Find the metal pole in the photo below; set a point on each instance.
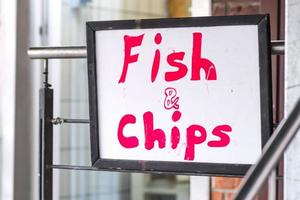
(57, 52)
(45, 73)
(59, 120)
(46, 140)
(272, 152)
(277, 47)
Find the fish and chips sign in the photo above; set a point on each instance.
(186, 96)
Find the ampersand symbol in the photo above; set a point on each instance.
(171, 100)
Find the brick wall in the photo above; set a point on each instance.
(235, 7)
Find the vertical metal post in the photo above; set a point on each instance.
(46, 139)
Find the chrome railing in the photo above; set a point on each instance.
(277, 47)
(273, 150)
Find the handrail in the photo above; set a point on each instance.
(57, 52)
(272, 152)
(277, 48)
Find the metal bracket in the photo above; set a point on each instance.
(59, 121)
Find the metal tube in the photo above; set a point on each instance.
(59, 120)
(272, 152)
(45, 73)
(57, 52)
(72, 167)
(77, 121)
(277, 47)
(45, 144)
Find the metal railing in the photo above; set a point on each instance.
(272, 151)
(57, 52)
(277, 47)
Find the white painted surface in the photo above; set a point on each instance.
(232, 99)
(199, 188)
(19, 100)
(7, 94)
(292, 93)
(201, 8)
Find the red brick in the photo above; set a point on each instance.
(214, 195)
(242, 8)
(218, 9)
(235, 7)
(226, 183)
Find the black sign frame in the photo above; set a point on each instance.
(190, 168)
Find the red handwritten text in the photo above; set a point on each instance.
(174, 60)
(171, 100)
(195, 134)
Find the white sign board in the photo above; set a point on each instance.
(176, 94)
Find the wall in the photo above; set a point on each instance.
(7, 94)
(19, 82)
(292, 93)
